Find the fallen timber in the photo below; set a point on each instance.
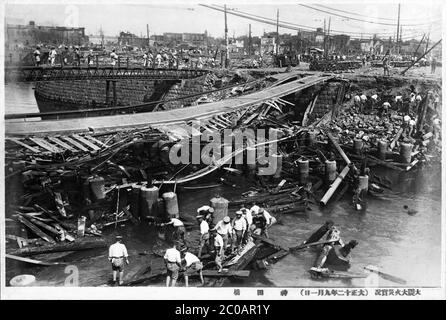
(78, 245)
(33, 261)
(170, 117)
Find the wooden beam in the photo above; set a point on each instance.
(23, 144)
(32, 261)
(36, 230)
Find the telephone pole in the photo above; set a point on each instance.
(398, 30)
(328, 36)
(324, 36)
(277, 31)
(148, 35)
(249, 41)
(226, 39)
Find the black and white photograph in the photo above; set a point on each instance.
(255, 149)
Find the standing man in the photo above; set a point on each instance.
(204, 235)
(52, 56)
(433, 64)
(36, 54)
(219, 249)
(114, 57)
(224, 229)
(77, 56)
(192, 265)
(90, 57)
(386, 63)
(145, 58)
(117, 253)
(172, 260)
(239, 226)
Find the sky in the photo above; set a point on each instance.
(417, 17)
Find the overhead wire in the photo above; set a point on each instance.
(361, 20)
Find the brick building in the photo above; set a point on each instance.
(31, 35)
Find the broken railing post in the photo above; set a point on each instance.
(343, 173)
(334, 186)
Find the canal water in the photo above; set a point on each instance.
(407, 246)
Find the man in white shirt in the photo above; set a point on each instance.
(36, 54)
(52, 56)
(239, 227)
(114, 57)
(117, 253)
(206, 212)
(219, 249)
(204, 235)
(224, 229)
(172, 259)
(192, 265)
(179, 229)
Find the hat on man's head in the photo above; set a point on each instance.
(261, 210)
(226, 219)
(211, 210)
(118, 237)
(199, 216)
(239, 213)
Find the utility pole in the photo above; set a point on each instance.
(249, 41)
(324, 38)
(427, 41)
(328, 39)
(277, 31)
(226, 39)
(398, 30)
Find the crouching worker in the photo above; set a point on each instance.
(179, 229)
(335, 252)
(172, 260)
(261, 222)
(191, 265)
(117, 253)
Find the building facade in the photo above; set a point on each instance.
(32, 35)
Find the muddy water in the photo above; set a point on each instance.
(407, 246)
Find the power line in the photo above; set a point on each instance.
(303, 27)
(287, 25)
(362, 15)
(361, 20)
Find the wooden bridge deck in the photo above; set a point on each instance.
(169, 117)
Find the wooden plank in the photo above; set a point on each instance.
(86, 142)
(32, 261)
(61, 143)
(227, 273)
(75, 143)
(78, 245)
(36, 230)
(93, 139)
(103, 123)
(23, 144)
(47, 146)
(270, 242)
(44, 226)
